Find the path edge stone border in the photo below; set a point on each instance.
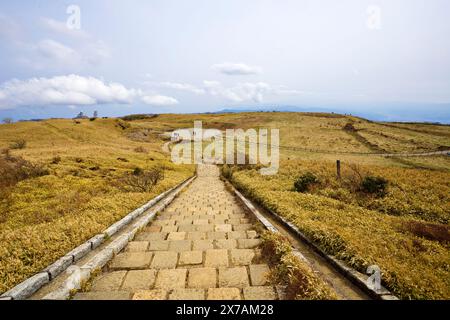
(348, 272)
(31, 285)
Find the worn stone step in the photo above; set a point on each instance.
(202, 246)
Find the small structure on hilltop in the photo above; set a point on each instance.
(81, 116)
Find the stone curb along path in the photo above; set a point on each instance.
(202, 246)
(31, 285)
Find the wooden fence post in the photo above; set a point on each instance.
(338, 168)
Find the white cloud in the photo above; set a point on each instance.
(215, 88)
(54, 50)
(282, 90)
(241, 92)
(92, 51)
(233, 69)
(72, 90)
(175, 86)
(10, 30)
(61, 50)
(95, 52)
(182, 86)
(61, 28)
(159, 100)
(49, 53)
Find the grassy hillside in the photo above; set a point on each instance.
(82, 190)
(71, 180)
(322, 136)
(404, 232)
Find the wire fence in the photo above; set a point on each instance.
(300, 149)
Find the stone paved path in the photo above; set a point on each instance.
(203, 246)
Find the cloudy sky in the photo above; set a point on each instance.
(387, 59)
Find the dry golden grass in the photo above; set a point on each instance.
(301, 282)
(42, 218)
(358, 230)
(397, 138)
(318, 136)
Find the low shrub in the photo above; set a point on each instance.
(227, 171)
(140, 149)
(122, 124)
(349, 127)
(274, 247)
(142, 180)
(374, 185)
(14, 169)
(305, 181)
(56, 160)
(352, 177)
(18, 144)
(138, 171)
(133, 117)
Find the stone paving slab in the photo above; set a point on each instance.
(242, 257)
(259, 293)
(139, 280)
(176, 236)
(216, 235)
(233, 277)
(106, 295)
(180, 245)
(202, 246)
(196, 235)
(148, 236)
(156, 294)
(171, 279)
(191, 258)
(252, 234)
(202, 278)
(224, 294)
(158, 245)
(225, 244)
(236, 235)
(248, 243)
(165, 260)
(154, 228)
(259, 274)
(131, 260)
(109, 281)
(137, 246)
(216, 258)
(187, 294)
